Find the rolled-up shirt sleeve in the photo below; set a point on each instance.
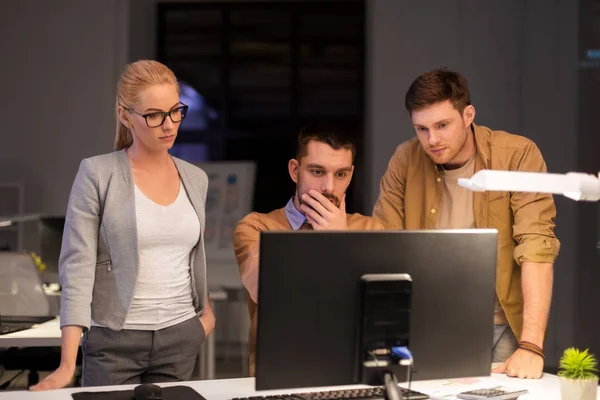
(246, 244)
(534, 215)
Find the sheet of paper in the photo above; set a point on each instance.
(447, 390)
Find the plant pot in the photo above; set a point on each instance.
(578, 389)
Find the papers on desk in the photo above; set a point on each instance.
(447, 390)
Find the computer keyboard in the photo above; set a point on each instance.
(5, 329)
(374, 393)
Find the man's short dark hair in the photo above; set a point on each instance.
(438, 85)
(333, 135)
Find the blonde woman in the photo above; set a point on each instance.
(132, 262)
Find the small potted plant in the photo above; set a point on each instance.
(577, 375)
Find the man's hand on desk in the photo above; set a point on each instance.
(57, 380)
(522, 364)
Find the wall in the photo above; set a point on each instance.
(520, 60)
(587, 324)
(61, 61)
(60, 64)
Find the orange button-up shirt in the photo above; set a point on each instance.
(246, 244)
(411, 193)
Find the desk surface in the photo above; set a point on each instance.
(546, 388)
(48, 334)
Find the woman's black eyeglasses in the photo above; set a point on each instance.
(157, 118)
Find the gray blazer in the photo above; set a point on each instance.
(99, 258)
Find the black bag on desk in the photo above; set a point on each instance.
(168, 393)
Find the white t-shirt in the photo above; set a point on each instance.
(166, 237)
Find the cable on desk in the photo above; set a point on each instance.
(392, 391)
(406, 359)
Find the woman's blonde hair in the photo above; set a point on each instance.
(136, 77)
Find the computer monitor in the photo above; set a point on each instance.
(308, 308)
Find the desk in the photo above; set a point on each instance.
(546, 388)
(48, 334)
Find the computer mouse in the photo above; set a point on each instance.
(147, 391)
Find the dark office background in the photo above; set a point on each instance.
(533, 67)
(266, 69)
